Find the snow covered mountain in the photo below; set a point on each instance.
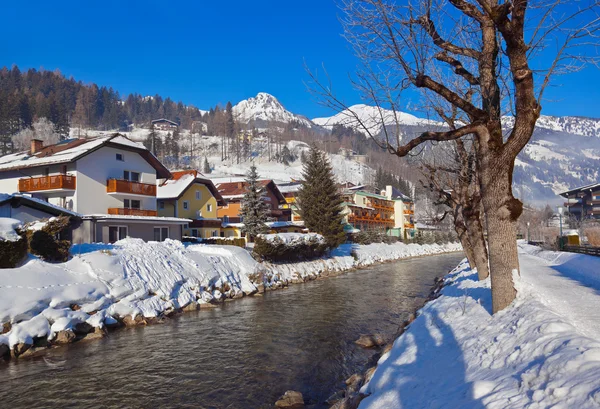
(574, 125)
(370, 118)
(265, 108)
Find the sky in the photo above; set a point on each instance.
(209, 52)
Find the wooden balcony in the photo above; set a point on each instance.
(369, 219)
(121, 211)
(55, 182)
(409, 226)
(408, 211)
(128, 187)
(382, 206)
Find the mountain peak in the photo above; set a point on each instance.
(264, 108)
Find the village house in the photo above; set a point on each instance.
(163, 124)
(109, 180)
(368, 211)
(233, 193)
(583, 202)
(404, 213)
(186, 194)
(290, 190)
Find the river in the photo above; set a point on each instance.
(245, 354)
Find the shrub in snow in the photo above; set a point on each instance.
(372, 236)
(13, 244)
(226, 241)
(48, 241)
(289, 246)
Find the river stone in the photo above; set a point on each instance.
(370, 341)
(4, 351)
(97, 333)
(82, 328)
(369, 374)
(260, 288)
(290, 400)
(64, 337)
(354, 382)
(207, 306)
(20, 349)
(193, 306)
(7, 326)
(130, 321)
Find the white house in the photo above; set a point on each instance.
(109, 180)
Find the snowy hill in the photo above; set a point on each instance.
(265, 108)
(370, 117)
(567, 124)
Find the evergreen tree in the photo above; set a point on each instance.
(174, 148)
(206, 168)
(303, 157)
(152, 140)
(319, 200)
(255, 209)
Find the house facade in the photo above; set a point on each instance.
(165, 124)
(230, 213)
(109, 180)
(404, 213)
(583, 202)
(368, 211)
(289, 191)
(190, 196)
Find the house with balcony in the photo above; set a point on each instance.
(290, 190)
(404, 213)
(233, 193)
(164, 124)
(368, 211)
(583, 202)
(109, 180)
(189, 195)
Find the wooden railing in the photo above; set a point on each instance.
(409, 226)
(591, 251)
(47, 183)
(121, 211)
(353, 218)
(126, 186)
(408, 211)
(382, 206)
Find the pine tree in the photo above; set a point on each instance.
(319, 199)
(255, 209)
(206, 168)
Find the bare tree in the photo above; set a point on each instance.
(476, 57)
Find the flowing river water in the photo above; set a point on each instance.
(245, 354)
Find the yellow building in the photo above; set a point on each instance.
(188, 196)
(368, 211)
(289, 190)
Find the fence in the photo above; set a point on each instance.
(591, 251)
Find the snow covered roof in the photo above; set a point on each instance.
(174, 188)
(165, 120)
(236, 190)
(18, 199)
(593, 186)
(289, 187)
(71, 150)
(7, 229)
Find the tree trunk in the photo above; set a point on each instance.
(479, 248)
(461, 231)
(502, 211)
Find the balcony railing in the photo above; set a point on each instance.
(409, 211)
(368, 219)
(47, 183)
(126, 186)
(122, 211)
(409, 226)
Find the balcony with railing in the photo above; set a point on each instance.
(43, 183)
(365, 218)
(409, 226)
(124, 211)
(409, 211)
(129, 187)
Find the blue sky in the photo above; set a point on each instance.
(208, 52)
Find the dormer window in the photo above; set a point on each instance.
(120, 157)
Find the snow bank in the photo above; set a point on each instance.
(457, 355)
(133, 278)
(7, 229)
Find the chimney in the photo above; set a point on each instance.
(36, 145)
(388, 192)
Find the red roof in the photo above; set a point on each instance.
(239, 188)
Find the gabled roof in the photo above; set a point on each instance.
(17, 200)
(593, 186)
(236, 190)
(71, 150)
(175, 187)
(165, 120)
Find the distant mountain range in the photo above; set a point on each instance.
(564, 152)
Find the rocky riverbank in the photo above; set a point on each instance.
(45, 305)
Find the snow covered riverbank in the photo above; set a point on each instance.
(136, 282)
(543, 351)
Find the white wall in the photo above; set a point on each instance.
(96, 168)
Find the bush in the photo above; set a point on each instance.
(225, 241)
(49, 242)
(373, 236)
(277, 250)
(12, 252)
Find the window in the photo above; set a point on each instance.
(161, 204)
(131, 176)
(136, 204)
(120, 157)
(126, 203)
(186, 204)
(198, 195)
(126, 174)
(225, 219)
(64, 169)
(116, 233)
(198, 213)
(195, 232)
(161, 233)
(222, 234)
(215, 233)
(47, 171)
(209, 208)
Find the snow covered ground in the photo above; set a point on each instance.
(541, 352)
(135, 278)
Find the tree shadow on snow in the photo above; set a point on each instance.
(425, 369)
(468, 285)
(583, 269)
